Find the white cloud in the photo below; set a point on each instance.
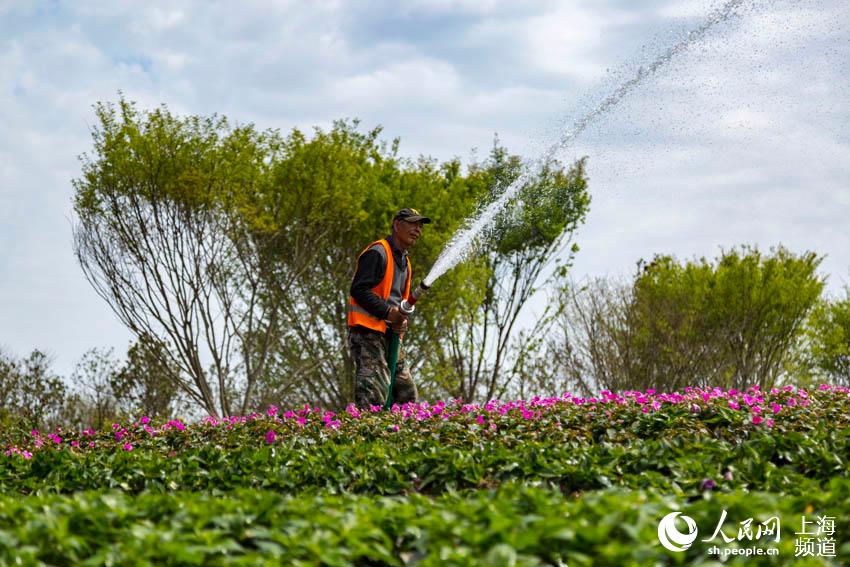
(409, 83)
(172, 61)
(562, 39)
(165, 19)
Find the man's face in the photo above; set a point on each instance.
(407, 233)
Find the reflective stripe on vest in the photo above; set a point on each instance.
(359, 316)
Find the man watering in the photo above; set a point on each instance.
(381, 282)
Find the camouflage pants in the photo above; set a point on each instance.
(372, 379)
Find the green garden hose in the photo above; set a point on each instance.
(392, 362)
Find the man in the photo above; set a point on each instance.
(380, 283)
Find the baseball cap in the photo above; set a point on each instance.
(411, 215)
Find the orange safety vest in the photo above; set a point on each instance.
(359, 316)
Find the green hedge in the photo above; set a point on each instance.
(512, 525)
(679, 462)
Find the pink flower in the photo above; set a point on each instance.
(34, 432)
(91, 443)
(776, 407)
(757, 419)
(769, 423)
(119, 435)
(270, 437)
(734, 405)
(15, 451)
(128, 447)
(352, 410)
(145, 420)
(395, 427)
(480, 420)
(271, 411)
(75, 443)
(656, 405)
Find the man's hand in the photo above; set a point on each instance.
(397, 319)
(400, 329)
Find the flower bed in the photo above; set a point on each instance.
(581, 481)
(785, 440)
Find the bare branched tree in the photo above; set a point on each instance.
(158, 239)
(489, 351)
(590, 348)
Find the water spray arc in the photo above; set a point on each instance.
(462, 245)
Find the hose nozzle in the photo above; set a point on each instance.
(407, 305)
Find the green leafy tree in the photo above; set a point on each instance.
(9, 381)
(828, 337)
(734, 322)
(30, 392)
(676, 332)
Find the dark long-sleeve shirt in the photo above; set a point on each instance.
(371, 268)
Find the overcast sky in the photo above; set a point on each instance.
(745, 138)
